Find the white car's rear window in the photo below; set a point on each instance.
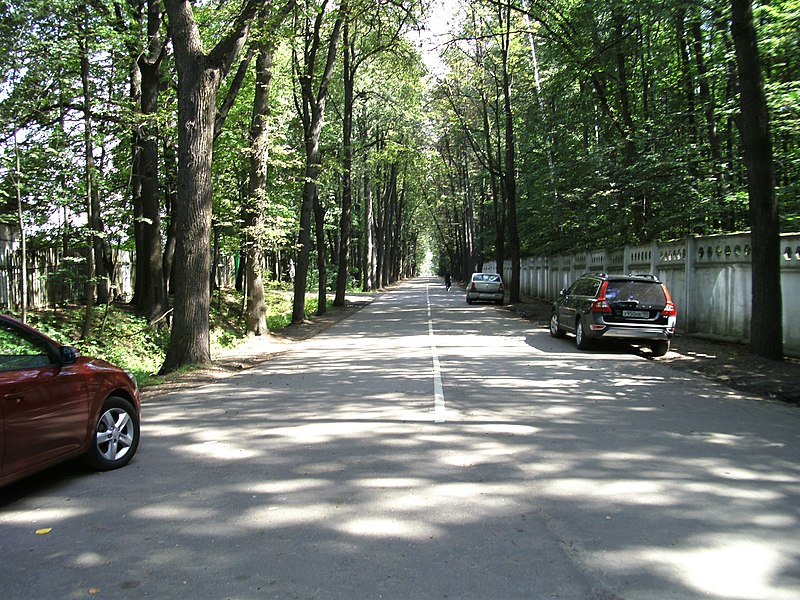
(489, 277)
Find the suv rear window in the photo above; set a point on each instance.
(643, 292)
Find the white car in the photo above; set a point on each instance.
(485, 287)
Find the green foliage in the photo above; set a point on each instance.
(118, 336)
(628, 131)
(125, 339)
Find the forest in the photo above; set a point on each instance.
(332, 145)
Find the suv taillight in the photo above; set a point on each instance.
(500, 289)
(473, 288)
(601, 305)
(669, 309)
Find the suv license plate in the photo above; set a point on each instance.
(636, 314)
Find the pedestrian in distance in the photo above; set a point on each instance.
(447, 281)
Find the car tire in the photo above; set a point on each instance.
(581, 339)
(116, 435)
(555, 328)
(499, 303)
(469, 301)
(659, 348)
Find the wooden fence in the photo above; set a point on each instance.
(55, 278)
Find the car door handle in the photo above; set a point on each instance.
(15, 398)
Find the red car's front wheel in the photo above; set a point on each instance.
(116, 435)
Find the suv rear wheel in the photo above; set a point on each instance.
(660, 348)
(581, 339)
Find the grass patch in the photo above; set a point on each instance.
(122, 337)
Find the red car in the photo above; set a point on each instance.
(56, 405)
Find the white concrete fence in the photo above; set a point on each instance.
(709, 279)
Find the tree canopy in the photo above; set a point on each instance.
(308, 138)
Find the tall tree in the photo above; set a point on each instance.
(510, 181)
(368, 31)
(23, 234)
(94, 257)
(253, 210)
(314, 85)
(200, 74)
(255, 206)
(766, 326)
(151, 286)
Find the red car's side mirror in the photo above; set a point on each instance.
(68, 355)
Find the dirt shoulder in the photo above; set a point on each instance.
(727, 363)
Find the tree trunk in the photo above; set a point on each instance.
(170, 202)
(304, 235)
(154, 300)
(511, 172)
(90, 287)
(397, 238)
(313, 114)
(347, 172)
(766, 325)
(380, 240)
(140, 268)
(322, 256)
(23, 238)
(495, 178)
(190, 341)
(369, 236)
(256, 316)
(101, 273)
(151, 291)
(199, 77)
(389, 209)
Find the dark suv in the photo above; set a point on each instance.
(633, 307)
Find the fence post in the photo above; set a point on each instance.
(689, 277)
(626, 259)
(655, 257)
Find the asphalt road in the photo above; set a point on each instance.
(424, 448)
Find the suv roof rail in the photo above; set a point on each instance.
(644, 275)
(594, 274)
